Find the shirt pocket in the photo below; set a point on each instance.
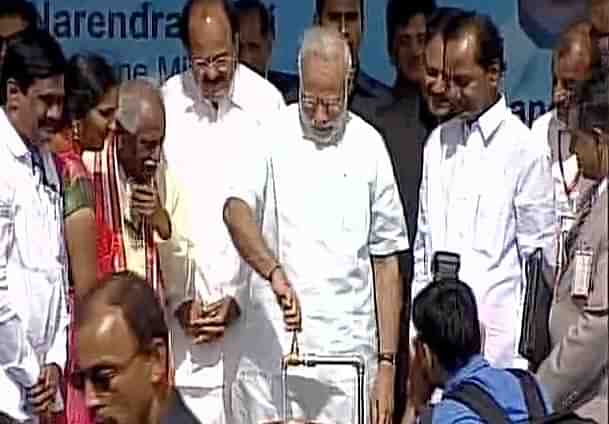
(37, 235)
(489, 223)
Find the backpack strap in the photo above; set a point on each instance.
(479, 401)
(532, 395)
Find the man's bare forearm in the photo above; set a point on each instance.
(389, 301)
(248, 240)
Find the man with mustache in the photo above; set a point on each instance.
(332, 221)
(33, 264)
(486, 191)
(573, 63)
(214, 111)
(133, 196)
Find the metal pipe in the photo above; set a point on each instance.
(312, 360)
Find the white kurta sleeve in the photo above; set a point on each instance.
(58, 353)
(422, 242)
(388, 232)
(536, 221)
(17, 357)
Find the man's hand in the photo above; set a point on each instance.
(209, 323)
(420, 389)
(287, 299)
(382, 397)
(42, 395)
(145, 200)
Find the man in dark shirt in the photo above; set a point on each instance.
(257, 34)
(123, 355)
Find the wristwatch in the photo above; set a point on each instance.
(388, 357)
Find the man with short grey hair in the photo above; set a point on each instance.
(332, 223)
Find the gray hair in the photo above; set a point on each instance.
(136, 98)
(326, 44)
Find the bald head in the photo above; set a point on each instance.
(197, 13)
(575, 45)
(139, 102)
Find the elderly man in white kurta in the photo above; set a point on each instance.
(213, 112)
(332, 226)
(486, 191)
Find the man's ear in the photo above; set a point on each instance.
(159, 362)
(494, 72)
(14, 95)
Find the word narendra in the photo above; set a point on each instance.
(139, 24)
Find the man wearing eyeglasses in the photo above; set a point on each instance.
(573, 60)
(214, 112)
(575, 373)
(332, 220)
(33, 263)
(126, 382)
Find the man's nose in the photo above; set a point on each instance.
(91, 399)
(320, 116)
(54, 112)
(211, 74)
(438, 86)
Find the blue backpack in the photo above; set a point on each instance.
(479, 401)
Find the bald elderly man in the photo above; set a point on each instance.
(573, 61)
(134, 195)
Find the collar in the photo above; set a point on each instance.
(14, 142)
(473, 367)
(490, 120)
(203, 108)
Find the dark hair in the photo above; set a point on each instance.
(228, 7)
(30, 55)
(24, 9)
(137, 301)
(267, 15)
(445, 316)
(320, 4)
(87, 79)
(400, 12)
(490, 42)
(439, 20)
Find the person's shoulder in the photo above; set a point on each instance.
(449, 411)
(541, 122)
(359, 127)
(173, 85)
(375, 88)
(253, 88)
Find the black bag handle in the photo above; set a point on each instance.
(532, 396)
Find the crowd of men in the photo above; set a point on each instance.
(165, 246)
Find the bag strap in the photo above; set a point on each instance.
(479, 401)
(532, 395)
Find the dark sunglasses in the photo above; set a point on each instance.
(100, 376)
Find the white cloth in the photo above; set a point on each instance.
(203, 148)
(492, 203)
(546, 130)
(207, 405)
(33, 271)
(325, 211)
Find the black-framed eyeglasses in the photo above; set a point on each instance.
(222, 65)
(101, 376)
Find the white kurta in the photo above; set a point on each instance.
(33, 271)
(487, 195)
(204, 149)
(326, 211)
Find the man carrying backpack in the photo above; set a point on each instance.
(447, 355)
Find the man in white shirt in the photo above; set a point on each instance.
(486, 191)
(324, 218)
(572, 64)
(213, 115)
(33, 263)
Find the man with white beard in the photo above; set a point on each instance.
(332, 224)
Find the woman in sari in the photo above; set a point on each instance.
(91, 99)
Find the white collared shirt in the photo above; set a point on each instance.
(33, 271)
(204, 149)
(326, 211)
(493, 205)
